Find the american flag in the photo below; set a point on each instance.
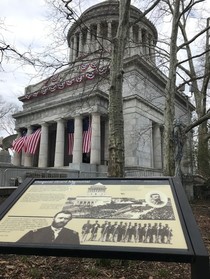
(86, 141)
(19, 143)
(32, 142)
(70, 131)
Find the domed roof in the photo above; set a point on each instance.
(107, 10)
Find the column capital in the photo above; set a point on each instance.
(18, 132)
(29, 129)
(61, 120)
(78, 116)
(44, 124)
(95, 113)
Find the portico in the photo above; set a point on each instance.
(55, 138)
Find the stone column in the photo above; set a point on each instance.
(74, 47)
(140, 40)
(109, 35)
(131, 34)
(28, 157)
(77, 150)
(16, 160)
(17, 156)
(80, 43)
(23, 154)
(95, 154)
(143, 40)
(131, 44)
(59, 145)
(93, 43)
(106, 141)
(98, 36)
(88, 42)
(153, 50)
(147, 44)
(71, 49)
(43, 150)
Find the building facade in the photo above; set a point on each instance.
(69, 110)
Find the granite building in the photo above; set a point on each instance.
(69, 110)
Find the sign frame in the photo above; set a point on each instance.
(195, 254)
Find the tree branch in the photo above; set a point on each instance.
(197, 122)
(193, 57)
(67, 2)
(193, 39)
(146, 12)
(189, 6)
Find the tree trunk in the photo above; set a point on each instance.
(203, 151)
(169, 116)
(203, 144)
(116, 121)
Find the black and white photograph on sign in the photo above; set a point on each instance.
(55, 233)
(95, 213)
(156, 199)
(98, 204)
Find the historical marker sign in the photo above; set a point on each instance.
(148, 219)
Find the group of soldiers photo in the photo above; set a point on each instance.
(110, 231)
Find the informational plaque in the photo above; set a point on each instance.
(110, 213)
(148, 219)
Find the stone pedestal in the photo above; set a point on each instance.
(5, 157)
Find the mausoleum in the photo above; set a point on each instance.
(64, 121)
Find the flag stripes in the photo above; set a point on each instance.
(32, 142)
(86, 139)
(18, 144)
(70, 143)
(70, 132)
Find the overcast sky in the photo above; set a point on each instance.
(24, 22)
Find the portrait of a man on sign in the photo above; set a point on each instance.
(56, 233)
(156, 199)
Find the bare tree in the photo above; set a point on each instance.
(199, 82)
(116, 124)
(7, 122)
(180, 11)
(169, 163)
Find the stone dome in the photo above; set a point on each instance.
(97, 25)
